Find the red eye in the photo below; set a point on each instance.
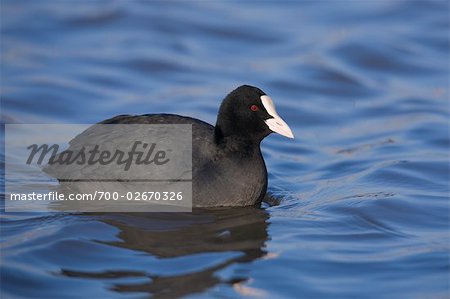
(254, 108)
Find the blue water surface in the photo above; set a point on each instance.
(363, 190)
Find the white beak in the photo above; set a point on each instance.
(276, 124)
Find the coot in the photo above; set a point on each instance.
(227, 165)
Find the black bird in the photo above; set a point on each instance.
(228, 168)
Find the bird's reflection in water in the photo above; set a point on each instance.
(171, 235)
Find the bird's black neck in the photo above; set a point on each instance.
(240, 144)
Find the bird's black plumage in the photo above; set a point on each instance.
(228, 168)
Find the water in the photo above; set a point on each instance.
(363, 190)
